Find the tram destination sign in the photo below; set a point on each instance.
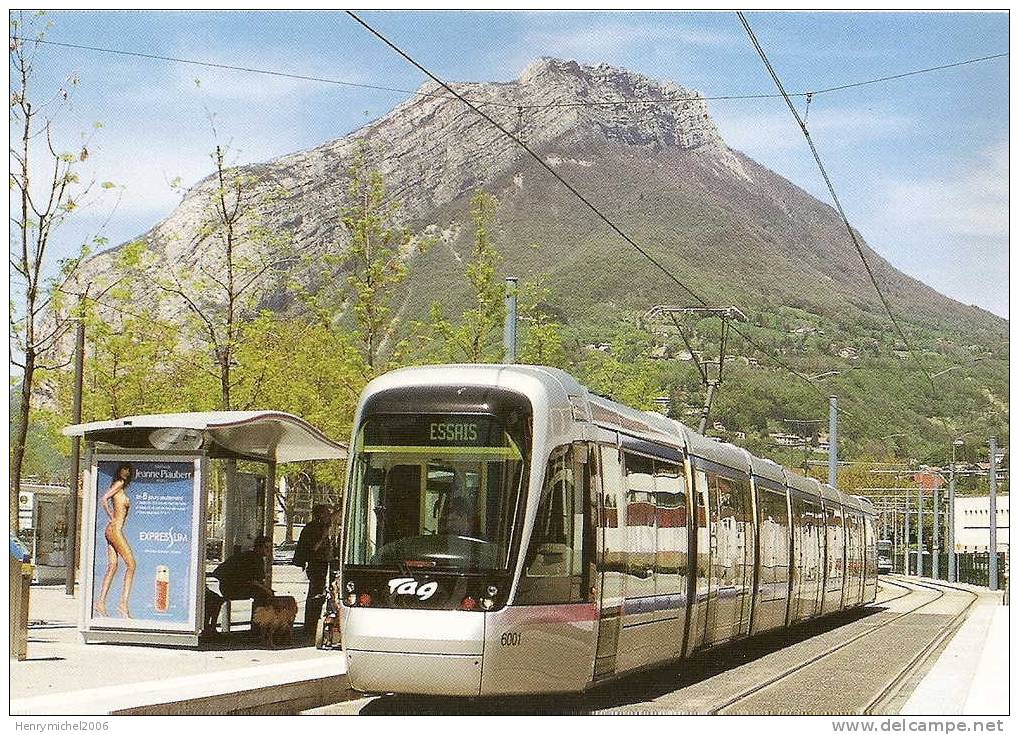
(434, 430)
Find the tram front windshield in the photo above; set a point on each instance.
(434, 491)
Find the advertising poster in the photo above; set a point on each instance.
(145, 544)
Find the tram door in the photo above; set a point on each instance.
(700, 567)
(723, 611)
(746, 552)
(671, 556)
(610, 559)
(639, 640)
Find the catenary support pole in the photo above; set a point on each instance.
(895, 533)
(909, 495)
(992, 517)
(833, 440)
(509, 332)
(71, 545)
(936, 536)
(919, 529)
(706, 409)
(268, 510)
(953, 574)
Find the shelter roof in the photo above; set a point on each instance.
(259, 435)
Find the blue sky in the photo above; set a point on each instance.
(921, 164)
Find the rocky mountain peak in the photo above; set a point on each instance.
(432, 149)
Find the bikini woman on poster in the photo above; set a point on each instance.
(117, 503)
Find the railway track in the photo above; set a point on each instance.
(801, 687)
(889, 690)
(830, 673)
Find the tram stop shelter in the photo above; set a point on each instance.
(146, 494)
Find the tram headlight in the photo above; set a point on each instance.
(350, 586)
(352, 599)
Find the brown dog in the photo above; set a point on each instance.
(275, 620)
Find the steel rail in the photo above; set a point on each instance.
(821, 656)
(895, 685)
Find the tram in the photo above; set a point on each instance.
(506, 531)
(884, 556)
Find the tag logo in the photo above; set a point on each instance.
(409, 586)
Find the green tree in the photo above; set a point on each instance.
(542, 339)
(375, 254)
(311, 370)
(364, 276)
(236, 258)
(475, 338)
(46, 190)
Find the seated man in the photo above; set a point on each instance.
(241, 577)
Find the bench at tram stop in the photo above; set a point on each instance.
(20, 587)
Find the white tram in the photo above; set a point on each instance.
(507, 532)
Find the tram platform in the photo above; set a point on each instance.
(233, 674)
(970, 676)
(63, 675)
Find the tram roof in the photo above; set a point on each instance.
(836, 496)
(557, 384)
(267, 436)
(804, 484)
(865, 504)
(716, 451)
(767, 469)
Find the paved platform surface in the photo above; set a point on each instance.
(64, 675)
(970, 677)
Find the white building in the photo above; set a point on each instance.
(972, 526)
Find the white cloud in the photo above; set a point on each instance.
(608, 39)
(250, 86)
(972, 203)
(952, 231)
(777, 132)
(144, 171)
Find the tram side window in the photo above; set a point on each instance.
(554, 562)
(641, 542)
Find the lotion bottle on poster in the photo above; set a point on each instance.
(162, 601)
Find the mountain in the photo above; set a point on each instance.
(734, 231)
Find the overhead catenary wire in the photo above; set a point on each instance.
(661, 100)
(615, 228)
(831, 190)
(519, 108)
(808, 94)
(541, 161)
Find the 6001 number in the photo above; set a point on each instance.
(509, 639)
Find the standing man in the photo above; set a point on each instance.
(313, 553)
